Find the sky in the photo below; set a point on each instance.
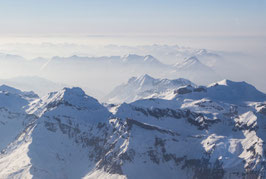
(133, 18)
(227, 25)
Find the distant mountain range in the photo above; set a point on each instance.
(89, 72)
(172, 129)
(190, 68)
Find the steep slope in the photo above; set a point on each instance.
(60, 140)
(13, 118)
(144, 87)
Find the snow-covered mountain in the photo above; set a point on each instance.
(143, 87)
(130, 59)
(134, 65)
(192, 68)
(61, 143)
(169, 54)
(88, 71)
(225, 132)
(141, 60)
(30, 95)
(217, 131)
(191, 63)
(13, 118)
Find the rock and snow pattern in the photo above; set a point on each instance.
(164, 129)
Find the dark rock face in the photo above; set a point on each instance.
(243, 126)
(263, 109)
(87, 139)
(62, 102)
(131, 122)
(200, 89)
(109, 158)
(233, 112)
(193, 118)
(202, 168)
(166, 157)
(31, 95)
(208, 105)
(184, 90)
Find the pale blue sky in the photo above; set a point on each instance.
(134, 17)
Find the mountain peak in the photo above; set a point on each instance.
(12, 98)
(26, 94)
(190, 61)
(73, 97)
(73, 91)
(145, 76)
(149, 58)
(226, 82)
(131, 57)
(9, 89)
(231, 91)
(145, 86)
(141, 78)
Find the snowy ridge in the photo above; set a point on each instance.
(188, 62)
(144, 86)
(24, 94)
(74, 98)
(225, 90)
(136, 59)
(197, 132)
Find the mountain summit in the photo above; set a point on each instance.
(144, 86)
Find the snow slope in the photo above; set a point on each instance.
(25, 94)
(13, 118)
(200, 132)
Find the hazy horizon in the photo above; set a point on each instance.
(171, 31)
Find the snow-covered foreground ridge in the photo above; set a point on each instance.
(218, 131)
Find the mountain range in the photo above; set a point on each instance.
(84, 69)
(190, 68)
(190, 131)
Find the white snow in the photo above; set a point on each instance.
(68, 134)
